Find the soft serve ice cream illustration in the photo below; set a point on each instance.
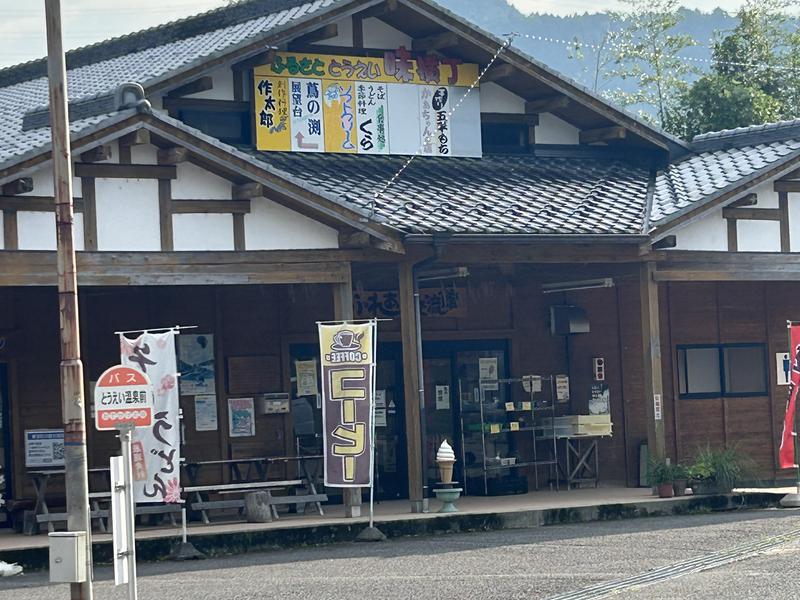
(445, 458)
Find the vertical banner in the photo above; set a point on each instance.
(347, 351)
(787, 458)
(156, 450)
(341, 133)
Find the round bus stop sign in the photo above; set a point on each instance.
(123, 395)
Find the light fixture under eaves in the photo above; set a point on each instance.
(436, 274)
(583, 284)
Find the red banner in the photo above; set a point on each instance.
(786, 456)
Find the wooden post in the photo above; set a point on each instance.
(651, 354)
(411, 385)
(73, 407)
(343, 310)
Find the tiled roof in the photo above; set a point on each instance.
(508, 194)
(142, 66)
(698, 179)
(747, 136)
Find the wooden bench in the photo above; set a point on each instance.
(204, 505)
(101, 515)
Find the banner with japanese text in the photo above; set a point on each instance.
(347, 352)
(365, 105)
(156, 450)
(786, 455)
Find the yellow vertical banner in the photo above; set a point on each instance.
(339, 108)
(273, 131)
(347, 360)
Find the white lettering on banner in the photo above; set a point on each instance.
(156, 450)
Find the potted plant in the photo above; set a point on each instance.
(659, 475)
(680, 479)
(716, 471)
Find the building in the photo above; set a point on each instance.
(204, 198)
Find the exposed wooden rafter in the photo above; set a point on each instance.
(493, 117)
(546, 104)
(668, 241)
(23, 185)
(181, 206)
(125, 171)
(602, 134)
(98, 154)
(498, 72)
(172, 156)
(748, 200)
(439, 41)
(201, 84)
(787, 186)
(262, 58)
(246, 191)
(752, 214)
(34, 203)
(378, 10)
(331, 30)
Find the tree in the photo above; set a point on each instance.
(646, 49)
(755, 76)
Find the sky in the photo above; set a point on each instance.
(22, 36)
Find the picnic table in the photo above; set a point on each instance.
(40, 478)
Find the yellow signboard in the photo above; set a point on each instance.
(396, 66)
(390, 105)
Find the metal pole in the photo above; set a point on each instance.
(72, 399)
(372, 426)
(792, 359)
(130, 510)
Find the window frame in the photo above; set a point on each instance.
(723, 393)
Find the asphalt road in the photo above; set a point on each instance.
(532, 563)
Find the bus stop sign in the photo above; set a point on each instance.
(123, 395)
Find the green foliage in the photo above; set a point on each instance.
(659, 471)
(725, 467)
(755, 77)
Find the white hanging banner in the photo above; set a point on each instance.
(155, 450)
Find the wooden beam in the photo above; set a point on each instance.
(112, 171)
(182, 206)
(262, 58)
(439, 41)
(331, 30)
(238, 86)
(493, 117)
(752, 214)
(378, 10)
(498, 72)
(247, 191)
(357, 239)
(34, 203)
(783, 209)
(546, 104)
(668, 241)
(135, 138)
(786, 186)
(165, 214)
(343, 311)
(239, 241)
(89, 214)
(791, 175)
(411, 385)
(651, 349)
(602, 134)
(172, 156)
(98, 154)
(10, 232)
(358, 32)
(201, 84)
(23, 185)
(733, 236)
(747, 200)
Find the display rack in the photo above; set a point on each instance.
(501, 433)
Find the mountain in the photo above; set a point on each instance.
(500, 18)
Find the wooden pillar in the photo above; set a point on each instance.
(651, 354)
(411, 385)
(343, 310)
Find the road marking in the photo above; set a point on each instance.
(687, 567)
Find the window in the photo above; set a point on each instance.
(713, 371)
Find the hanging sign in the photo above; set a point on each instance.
(786, 454)
(123, 395)
(365, 105)
(347, 353)
(155, 449)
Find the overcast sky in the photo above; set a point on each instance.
(22, 34)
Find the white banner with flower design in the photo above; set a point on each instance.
(156, 450)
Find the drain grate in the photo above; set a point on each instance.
(693, 565)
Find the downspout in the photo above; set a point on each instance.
(438, 244)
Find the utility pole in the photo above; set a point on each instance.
(72, 398)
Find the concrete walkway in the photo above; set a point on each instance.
(475, 513)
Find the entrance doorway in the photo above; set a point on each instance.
(6, 464)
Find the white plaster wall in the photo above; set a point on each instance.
(43, 183)
(271, 226)
(707, 233)
(195, 183)
(497, 99)
(223, 85)
(37, 230)
(552, 130)
(378, 34)
(127, 214)
(758, 236)
(202, 232)
(2, 232)
(143, 154)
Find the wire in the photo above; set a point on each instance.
(577, 44)
(509, 38)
